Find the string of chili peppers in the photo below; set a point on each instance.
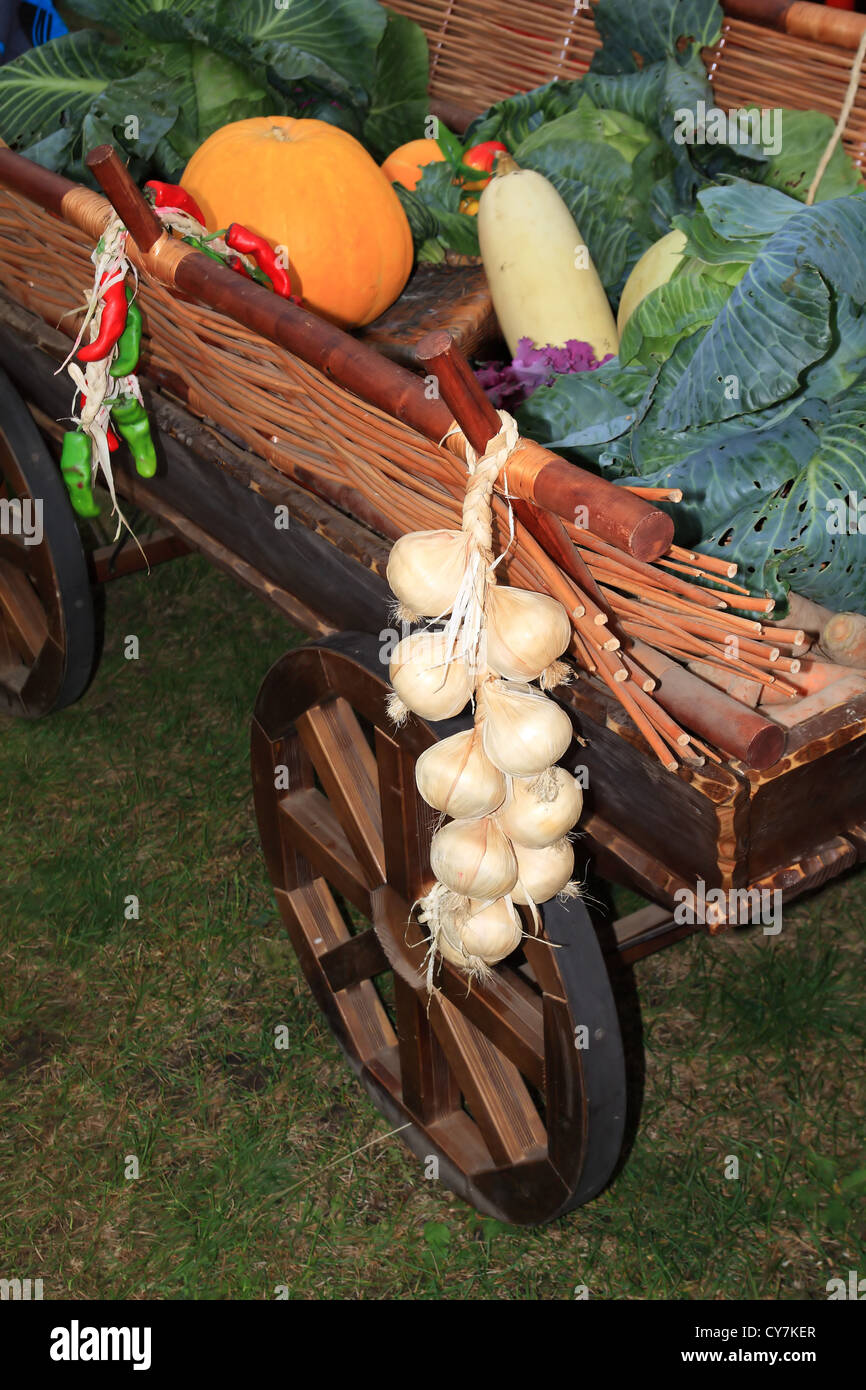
(110, 400)
(111, 403)
(240, 249)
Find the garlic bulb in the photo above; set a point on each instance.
(474, 858)
(493, 930)
(526, 632)
(425, 570)
(542, 873)
(490, 932)
(456, 776)
(540, 810)
(523, 731)
(424, 681)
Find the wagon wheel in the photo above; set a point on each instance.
(495, 1082)
(47, 630)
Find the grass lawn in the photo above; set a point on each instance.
(153, 1039)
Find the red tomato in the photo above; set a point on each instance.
(482, 157)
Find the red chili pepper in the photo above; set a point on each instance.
(241, 239)
(111, 437)
(235, 263)
(111, 325)
(483, 157)
(171, 195)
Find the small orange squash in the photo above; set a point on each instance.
(312, 188)
(406, 164)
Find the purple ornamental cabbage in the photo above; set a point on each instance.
(508, 384)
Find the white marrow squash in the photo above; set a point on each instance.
(543, 283)
(655, 267)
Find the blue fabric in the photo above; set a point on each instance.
(27, 26)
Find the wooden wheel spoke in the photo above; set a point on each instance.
(359, 958)
(14, 552)
(13, 668)
(504, 1008)
(429, 1087)
(317, 931)
(314, 831)
(510, 1018)
(23, 615)
(495, 1092)
(335, 744)
(408, 822)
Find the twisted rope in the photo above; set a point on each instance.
(466, 625)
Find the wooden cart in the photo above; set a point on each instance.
(517, 1087)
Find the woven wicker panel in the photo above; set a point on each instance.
(756, 64)
(282, 409)
(483, 50)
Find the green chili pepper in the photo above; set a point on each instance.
(200, 245)
(129, 343)
(132, 423)
(75, 462)
(233, 262)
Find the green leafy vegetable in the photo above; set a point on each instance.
(54, 86)
(804, 138)
(399, 100)
(633, 36)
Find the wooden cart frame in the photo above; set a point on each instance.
(517, 1087)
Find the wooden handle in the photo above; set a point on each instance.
(538, 476)
(125, 197)
(460, 388)
(802, 20)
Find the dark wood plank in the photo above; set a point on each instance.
(314, 831)
(494, 1089)
(114, 561)
(452, 297)
(344, 761)
(428, 1085)
(359, 958)
(356, 1014)
(815, 799)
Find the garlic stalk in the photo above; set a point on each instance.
(511, 806)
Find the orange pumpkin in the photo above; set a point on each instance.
(313, 189)
(406, 164)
